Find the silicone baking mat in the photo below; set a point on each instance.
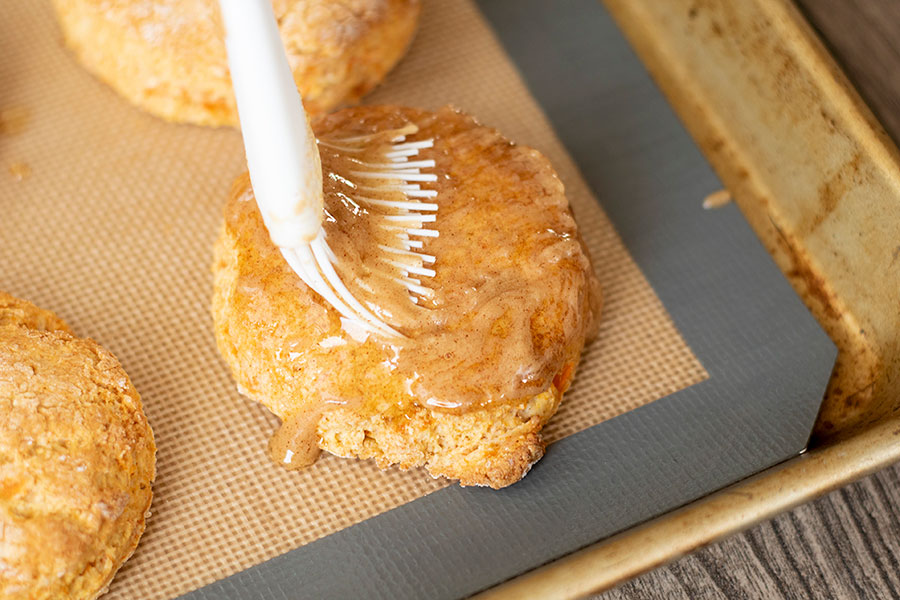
(107, 216)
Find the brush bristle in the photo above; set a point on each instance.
(388, 185)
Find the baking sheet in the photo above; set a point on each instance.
(108, 217)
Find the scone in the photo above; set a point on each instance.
(483, 363)
(168, 56)
(76, 459)
(14, 311)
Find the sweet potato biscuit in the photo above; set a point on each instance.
(14, 311)
(168, 56)
(76, 459)
(485, 363)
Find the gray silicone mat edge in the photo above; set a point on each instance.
(768, 360)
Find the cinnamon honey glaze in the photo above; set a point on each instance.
(514, 292)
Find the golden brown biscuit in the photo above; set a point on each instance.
(168, 56)
(14, 311)
(484, 366)
(76, 459)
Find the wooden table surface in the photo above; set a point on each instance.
(845, 544)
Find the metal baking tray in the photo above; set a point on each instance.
(658, 104)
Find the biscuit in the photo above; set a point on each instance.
(506, 229)
(168, 56)
(77, 458)
(14, 311)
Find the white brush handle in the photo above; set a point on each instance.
(282, 155)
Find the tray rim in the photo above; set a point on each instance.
(612, 561)
(694, 50)
(854, 443)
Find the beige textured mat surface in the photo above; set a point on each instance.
(107, 216)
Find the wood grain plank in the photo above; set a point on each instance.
(846, 544)
(863, 36)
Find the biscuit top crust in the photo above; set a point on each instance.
(192, 29)
(515, 294)
(76, 460)
(14, 311)
(169, 56)
(323, 26)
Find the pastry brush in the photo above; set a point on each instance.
(286, 173)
